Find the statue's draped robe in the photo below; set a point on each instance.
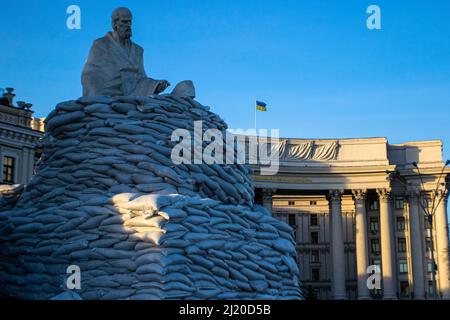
(113, 69)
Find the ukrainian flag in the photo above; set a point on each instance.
(261, 106)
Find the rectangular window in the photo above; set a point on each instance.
(429, 266)
(401, 244)
(291, 203)
(430, 288)
(313, 220)
(374, 224)
(375, 246)
(315, 293)
(315, 273)
(401, 226)
(403, 266)
(315, 256)
(314, 237)
(373, 205)
(404, 289)
(399, 203)
(292, 221)
(9, 166)
(428, 243)
(426, 222)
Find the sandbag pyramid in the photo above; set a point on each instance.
(107, 198)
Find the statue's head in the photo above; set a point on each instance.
(121, 22)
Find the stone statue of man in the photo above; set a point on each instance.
(115, 66)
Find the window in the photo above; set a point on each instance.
(313, 203)
(428, 243)
(401, 224)
(403, 266)
(316, 293)
(399, 203)
(291, 220)
(313, 220)
(373, 205)
(426, 222)
(9, 166)
(430, 288)
(375, 246)
(315, 256)
(374, 225)
(404, 289)
(314, 237)
(315, 274)
(291, 203)
(401, 244)
(376, 262)
(429, 266)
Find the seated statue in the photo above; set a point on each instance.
(115, 66)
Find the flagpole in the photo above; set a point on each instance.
(256, 134)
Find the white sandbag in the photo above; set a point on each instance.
(123, 107)
(64, 118)
(98, 107)
(123, 197)
(145, 221)
(95, 99)
(151, 268)
(284, 245)
(150, 202)
(152, 236)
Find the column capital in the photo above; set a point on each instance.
(384, 194)
(412, 196)
(335, 195)
(359, 194)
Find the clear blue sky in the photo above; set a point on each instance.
(322, 73)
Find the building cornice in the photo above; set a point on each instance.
(18, 135)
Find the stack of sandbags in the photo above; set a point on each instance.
(108, 198)
(9, 195)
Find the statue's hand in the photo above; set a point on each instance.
(163, 84)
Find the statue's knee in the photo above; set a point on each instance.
(184, 89)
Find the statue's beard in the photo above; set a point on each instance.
(124, 33)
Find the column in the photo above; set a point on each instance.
(267, 199)
(24, 157)
(440, 221)
(337, 245)
(416, 237)
(387, 245)
(31, 165)
(361, 243)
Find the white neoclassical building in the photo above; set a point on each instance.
(355, 203)
(19, 132)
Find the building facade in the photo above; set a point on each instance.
(19, 132)
(360, 204)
